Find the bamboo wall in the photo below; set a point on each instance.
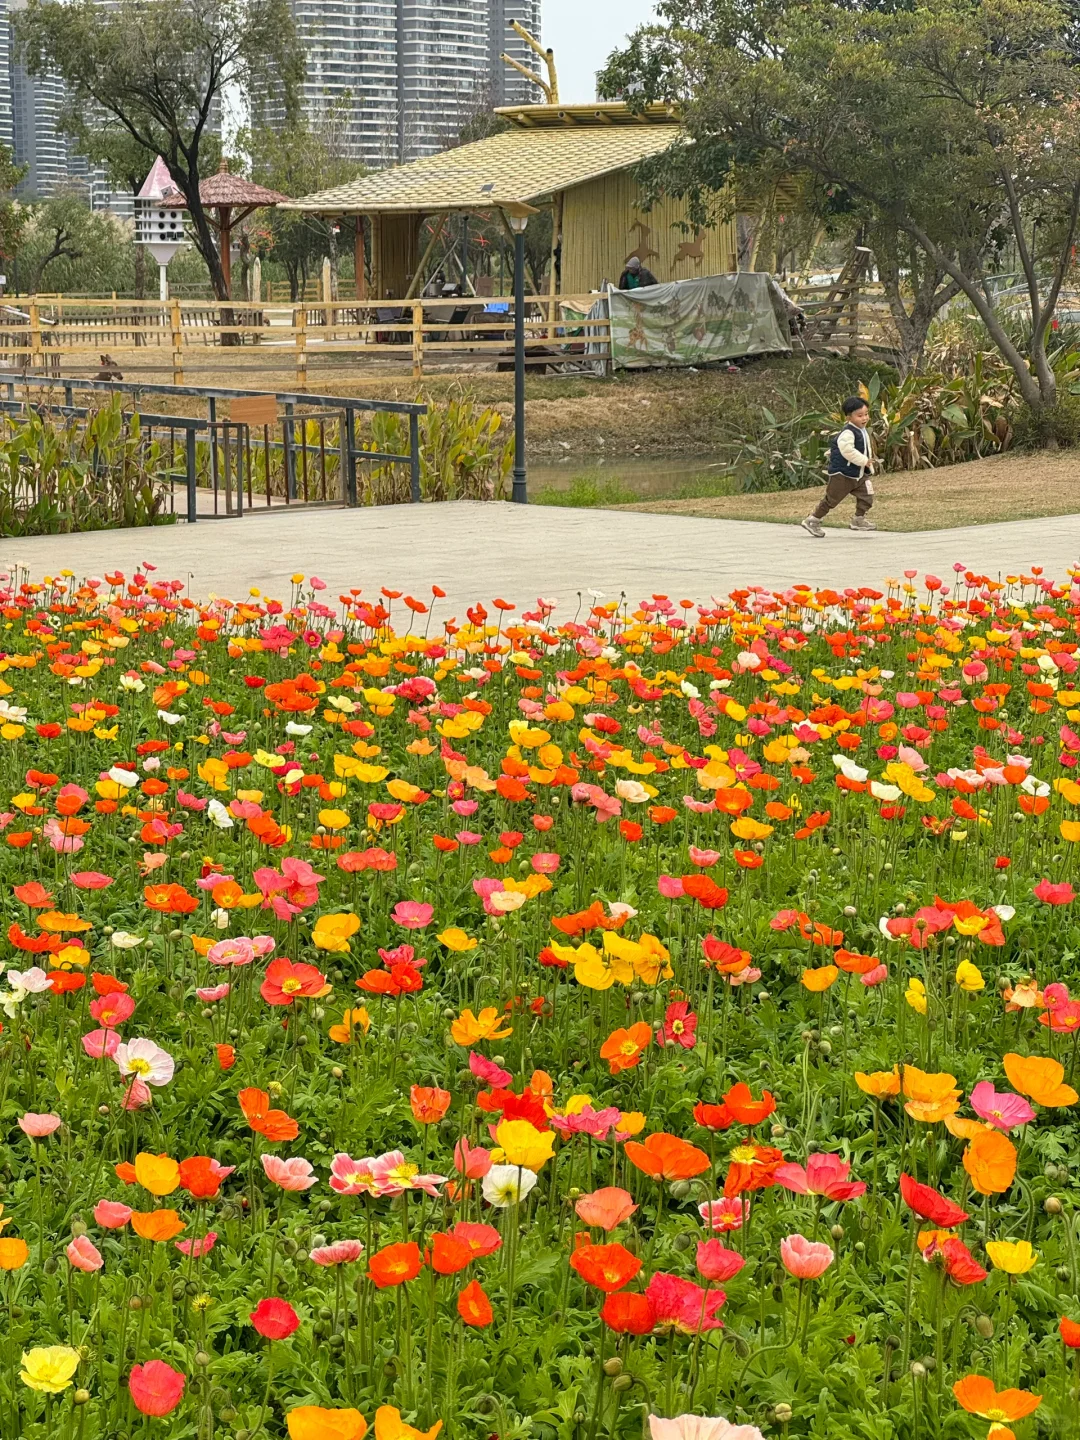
(599, 234)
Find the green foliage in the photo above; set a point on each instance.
(158, 71)
(921, 126)
(93, 474)
(465, 454)
(68, 247)
(1058, 425)
(588, 491)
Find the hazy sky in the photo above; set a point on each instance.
(583, 34)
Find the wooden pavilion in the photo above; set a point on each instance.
(576, 160)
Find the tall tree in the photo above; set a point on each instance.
(940, 130)
(160, 70)
(301, 158)
(12, 215)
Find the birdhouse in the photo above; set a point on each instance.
(159, 214)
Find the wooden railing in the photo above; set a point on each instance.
(59, 335)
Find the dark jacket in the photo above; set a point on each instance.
(838, 465)
(628, 281)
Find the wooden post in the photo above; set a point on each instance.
(556, 237)
(418, 339)
(225, 246)
(301, 348)
(177, 342)
(35, 336)
(359, 263)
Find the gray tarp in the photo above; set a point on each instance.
(693, 322)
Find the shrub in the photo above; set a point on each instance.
(1059, 425)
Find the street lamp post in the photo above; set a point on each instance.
(520, 493)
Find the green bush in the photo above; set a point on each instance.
(1060, 425)
(98, 472)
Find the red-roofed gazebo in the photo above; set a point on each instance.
(230, 199)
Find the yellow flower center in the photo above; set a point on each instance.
(139, 1066)
(290, 986)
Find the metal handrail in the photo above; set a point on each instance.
(346, 407)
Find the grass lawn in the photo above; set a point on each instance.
(1018, 486)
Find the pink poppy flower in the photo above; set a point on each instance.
(211, 994)
(465, 808)
(101, 1044)
(472, 1161)
(545, 862)
(587, 1121)
(875, 976)
(1002, 1109)
(704, 859)
(487, 1071)
(236, 951)
(606, 1208)
(805, 1259)
(716, 1262)
(84, 1254)
(294, 1174)
(468, 837)
(137, 1096)
(684, 1306)
(412, 914)
(1051, 893)
(341, 1252)
(670, 887)
(111, 1215)
(728, 1213)
(354, 1177)
(38, 1126)
(145, 1060)
(198, 1248)
(90, 880)
(59, 840)
(750, 976)
(824, 1175)
(680, 1024)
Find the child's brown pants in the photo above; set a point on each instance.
(839, 488)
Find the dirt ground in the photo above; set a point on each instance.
(586, 418)
(1016, 486)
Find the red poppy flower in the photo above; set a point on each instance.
(1070, 1332)
(275, 1319)
(713, 1117)
(156, 1388)
(287, 981)
(429, 1105)
(930, 1204)
(628, 1313)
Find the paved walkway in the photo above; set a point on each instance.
(475, 551)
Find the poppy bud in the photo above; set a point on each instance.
(778, 1131)
(682, 1241)
(622, 1382)
(613, 1366)
(81, 1397)
(1052, 1205)
(837, 1232)
(782, 1413)
(826, 1048)
(680, 1189)
(778, 1294)
(918, 1370)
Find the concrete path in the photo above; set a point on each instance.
(475, 551)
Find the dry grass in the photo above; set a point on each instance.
(1017, 486)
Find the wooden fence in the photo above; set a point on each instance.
(60, 335)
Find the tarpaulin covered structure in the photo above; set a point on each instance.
(694, 322)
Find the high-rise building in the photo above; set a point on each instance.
(409, 74)
(508, 86)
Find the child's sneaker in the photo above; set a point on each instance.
(813, 526)
(862, 522)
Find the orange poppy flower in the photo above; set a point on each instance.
(274, 1125)
(705, 891)
(853, 964)
(449, 1254)
(990, 1160)
(624, 1048)
(976, 1393)
(879, 1083)
(395, 1264)
(666, 1157)
(157, 1225)
(1040, 1078)
(753, 1167)
(744, 1109)
(608, 1267)
(474, 1307)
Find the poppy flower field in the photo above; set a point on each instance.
(547, 1023)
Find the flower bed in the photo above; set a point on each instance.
(528, 1026)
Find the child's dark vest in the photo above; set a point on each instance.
(837, 464)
